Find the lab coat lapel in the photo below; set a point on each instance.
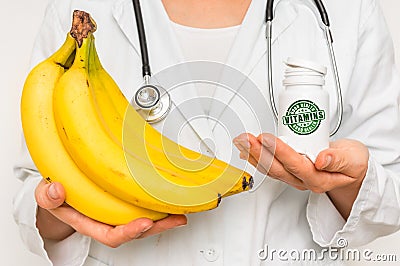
(164, 52)
(250, 45)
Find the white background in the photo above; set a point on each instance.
(20, 21)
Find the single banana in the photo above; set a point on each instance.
(49, 154)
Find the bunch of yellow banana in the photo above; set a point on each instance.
(81, 131)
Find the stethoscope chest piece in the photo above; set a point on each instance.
(152, 102)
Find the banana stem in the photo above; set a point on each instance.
(65, 54)
(82, 25)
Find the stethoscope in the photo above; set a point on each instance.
(153, 102)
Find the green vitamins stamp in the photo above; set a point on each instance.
(303, 117)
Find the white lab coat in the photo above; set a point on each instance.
(275, 215)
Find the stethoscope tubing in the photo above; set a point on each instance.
(146, 71)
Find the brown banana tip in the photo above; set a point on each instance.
(251, 182)
(244, 183)
(82, 25)
(247, 184)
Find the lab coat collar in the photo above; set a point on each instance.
(250, 44)
(157, 28)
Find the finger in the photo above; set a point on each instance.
(274, 168)
(244, 146)
(346, 156)
(243, 141)
(277, 171)
(289, 179)
(49, 195)
(104, 233)
(244, 155)
(253, 151)
(253, 147)
(293, 162)
(257, 165)
(172, 221)
(301, 167)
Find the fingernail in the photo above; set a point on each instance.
(180, 225)
(238, 146)
(267, 142)
(328, 160)
(243, 156)
(244, 143)
(52, 192)
(143, 231)
(146, 229)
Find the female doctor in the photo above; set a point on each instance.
(351, 194)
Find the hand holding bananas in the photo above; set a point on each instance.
(57, 221)
(114, 167)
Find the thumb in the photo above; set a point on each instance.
(331, 160)
(349, 157)
(337, 161)
(49, 195)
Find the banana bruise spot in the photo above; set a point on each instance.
(82, 25)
